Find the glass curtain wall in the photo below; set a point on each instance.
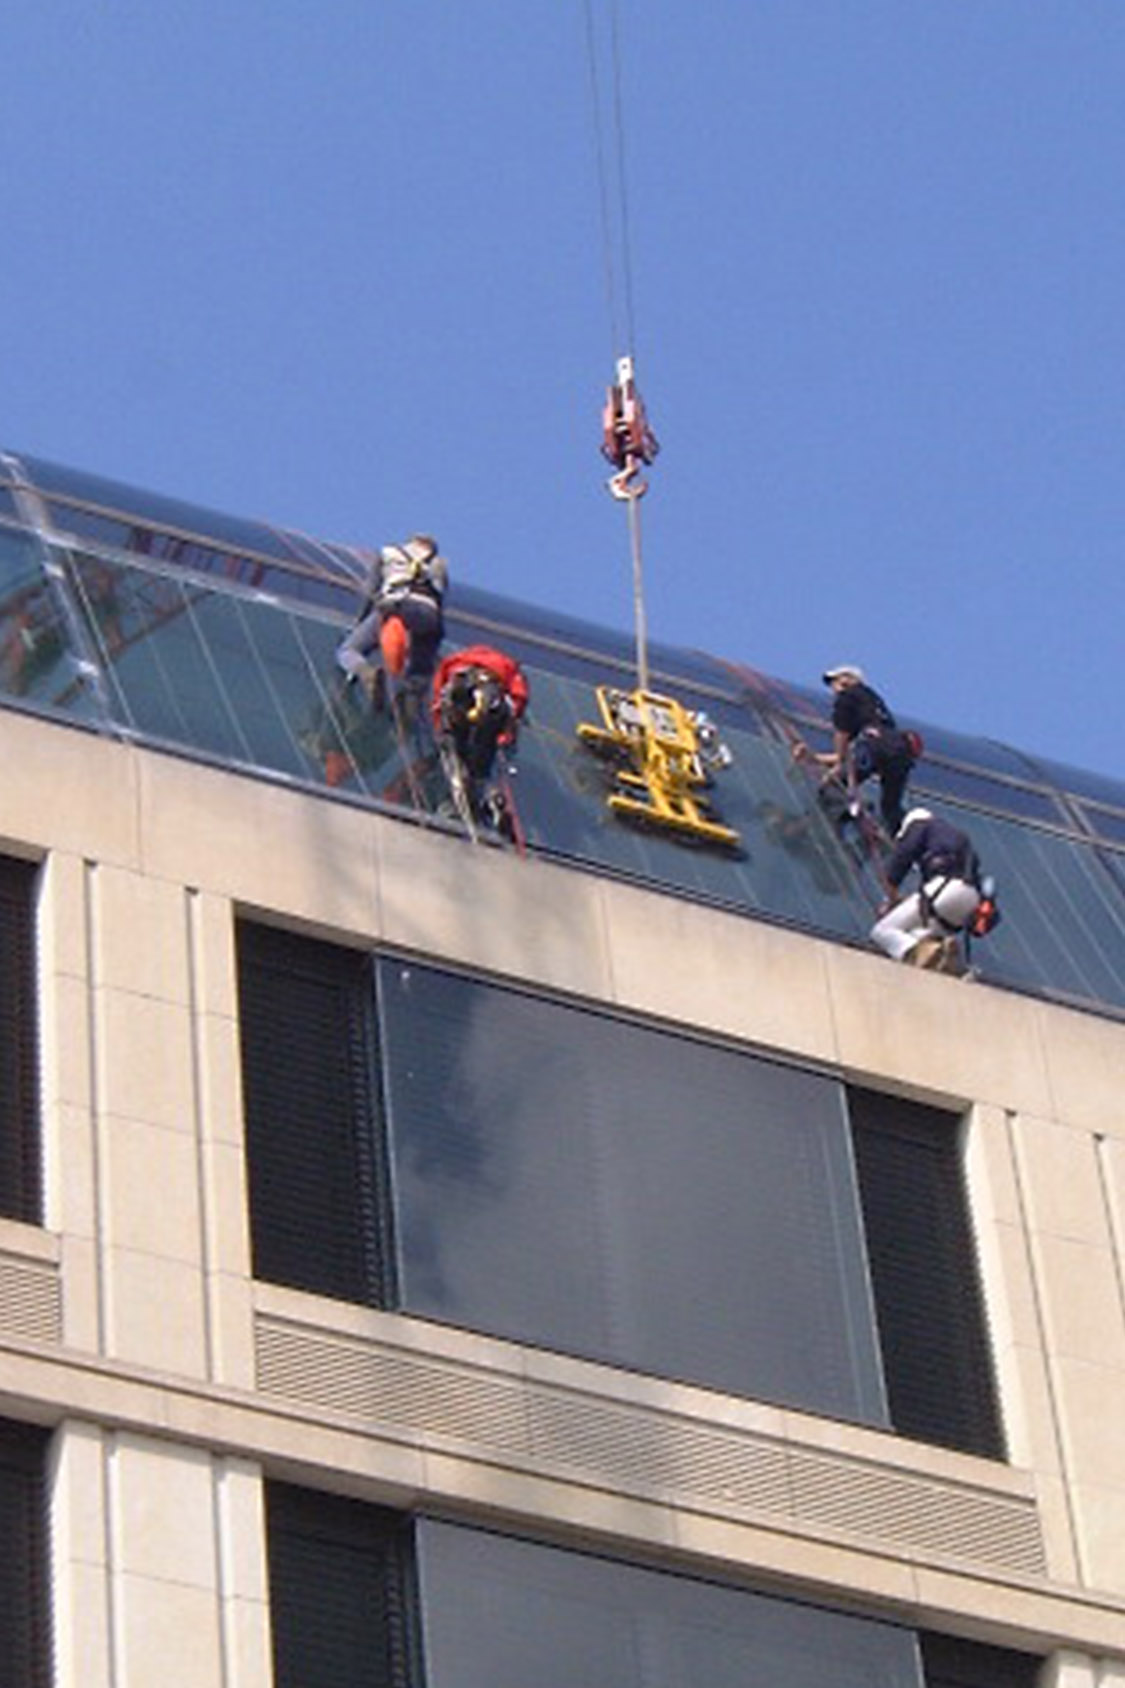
(196, 644)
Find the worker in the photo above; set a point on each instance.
(401, 624)
(867, 741)
(479, 697)
(924, 928)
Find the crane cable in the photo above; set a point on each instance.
(625, 485)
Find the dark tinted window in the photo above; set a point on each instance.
(341, 1598)
(20, 1177)
(952, 1663)
(498, 1613)
(935, 1348)
(25, 1646)
(318, 1215)
(569, 1180)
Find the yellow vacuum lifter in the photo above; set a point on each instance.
(660, 750)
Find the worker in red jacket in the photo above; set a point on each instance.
(478, 698)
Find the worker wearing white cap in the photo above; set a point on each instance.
(924, 928)
(402, 617)
(867, 741)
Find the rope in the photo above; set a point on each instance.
(622, 188)
(616, 232)
(639, 619)
(603, 182)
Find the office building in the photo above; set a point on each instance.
(429, 1264)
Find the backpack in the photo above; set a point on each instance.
(986, 916)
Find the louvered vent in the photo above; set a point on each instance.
(341, 1598)
(318, 1217)
(933, 1338)
(20, 1177)
(25, 1648)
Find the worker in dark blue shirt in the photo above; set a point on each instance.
(924, 928)
(866, 742)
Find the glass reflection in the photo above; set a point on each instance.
(501, 1613)
(599, 1188)
(37, 663)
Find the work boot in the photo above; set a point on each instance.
(950, 959)
(926, 953)
(374, 682)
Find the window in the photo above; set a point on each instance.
(20, 1172)
(25, 1651)
(319, 1220)
(364, 1599)
(924, 1271)
(576, 1181)
(341, 1593)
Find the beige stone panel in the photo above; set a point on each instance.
(1068, 1670)
(170, 1635)
(1081, 1297)
(140, 934)
(65, 1042)
(720, 1544)
(213, 961)
(1100, 1514)
(1111, 1163)
(491, 909)
(156, 1316)
(226, 1209)
(935, 1036)
(220, 832)
(1085, 1058)
(145, 1060)
(80, 1612)
(242, 1526)
(219, 1079)
(1061, 1180)
(68, 1152)
(989, 1167)
(163, 1503)
(76, 791)
(1010, 1614)
(77, 1493)
(62, 916)
(1013, 1312)
(81, 1312)
(1112, 1675)
(1056, 1520)
(230, 1319)
(1093, 1425)
(503, 1493)
(247, 1644)
(151, 1197)
(1028, 1406)
(741, 978)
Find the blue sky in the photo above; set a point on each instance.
(340, 266)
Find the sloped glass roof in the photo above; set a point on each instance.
(150, 619)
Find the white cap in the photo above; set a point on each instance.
(843, 671)
(910, 817)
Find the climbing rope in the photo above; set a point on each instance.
(627, 441)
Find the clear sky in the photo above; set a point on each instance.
(339, 264)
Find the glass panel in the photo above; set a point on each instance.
(1083, 783)
(190, 555)
(619, 1193)
(36, 660)
(933, 779)
(1063, 926)
(792, 864)
(984, 753)
(500, 1613)
(1105, 824)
